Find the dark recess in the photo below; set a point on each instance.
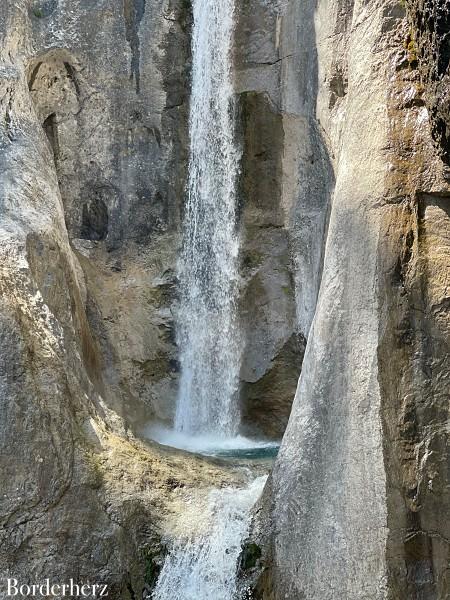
(94, 220)
(133, 12)
(51, 131)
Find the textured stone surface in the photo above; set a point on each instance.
(429, 48)
(82, 156)
(79, 497)
(362, 474)
(115, 118)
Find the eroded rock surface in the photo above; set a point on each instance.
(362, 474)
(115, 119)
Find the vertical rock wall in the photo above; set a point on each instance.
(362, 474)
(284, 220)
(69, 508)
(113, 110)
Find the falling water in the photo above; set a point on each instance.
(207, 329)
(203, 565)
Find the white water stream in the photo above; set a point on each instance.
(208, 335)
(203, 564)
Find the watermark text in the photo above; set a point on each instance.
(15, 589)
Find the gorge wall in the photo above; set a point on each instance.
(346, 228)
(362, 474)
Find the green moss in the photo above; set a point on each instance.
(420, 88)
(252, 259)
(412, 52)
(42, 9)
(152, 566)
(96, 468)
(250, 554)
(411, 49)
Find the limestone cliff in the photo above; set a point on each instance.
(359, 490)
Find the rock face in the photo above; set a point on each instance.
(65, 154)
(352, 510)
(429, 49)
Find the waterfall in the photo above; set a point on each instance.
(203, 565)
(207, 333)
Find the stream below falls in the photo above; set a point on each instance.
(202, 564)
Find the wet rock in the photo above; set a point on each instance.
(352, 503)
(250, 554)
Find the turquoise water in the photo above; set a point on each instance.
(257, 453)
(238, 447)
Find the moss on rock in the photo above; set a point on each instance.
(250, 555)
